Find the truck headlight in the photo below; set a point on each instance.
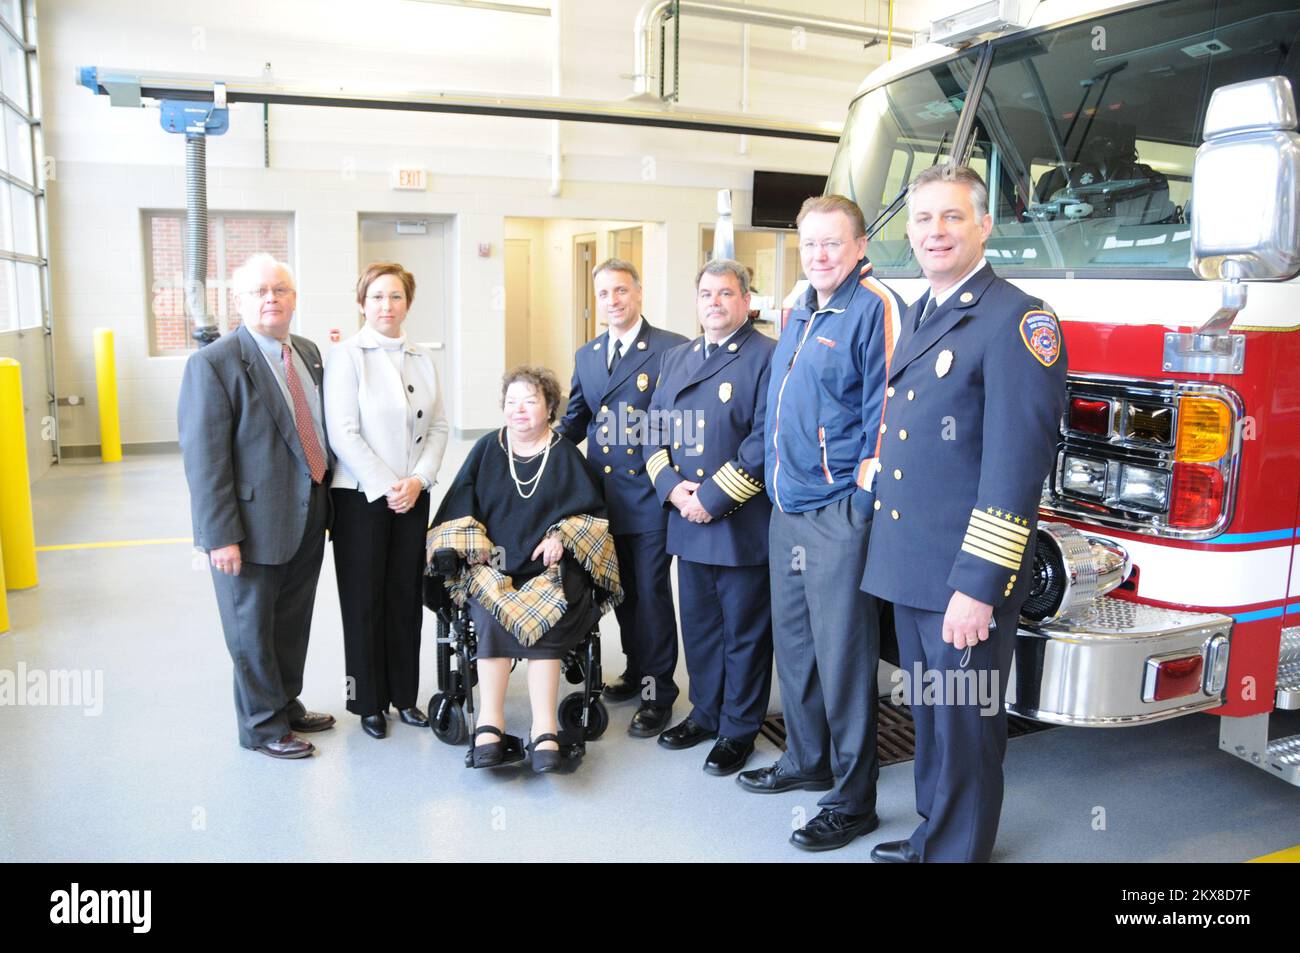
(1142, 488)
(1070, 571)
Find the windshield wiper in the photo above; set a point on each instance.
(897, 202)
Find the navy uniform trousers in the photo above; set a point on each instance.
(827, 649)
(960, 744)
(647, 623)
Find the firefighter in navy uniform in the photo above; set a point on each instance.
(705, 458)
(613, 380)
(975, 396)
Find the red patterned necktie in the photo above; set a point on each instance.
(302, 417)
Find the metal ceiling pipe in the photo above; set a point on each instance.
(652, 13)
(496, 7)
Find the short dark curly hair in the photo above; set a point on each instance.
(543, 378)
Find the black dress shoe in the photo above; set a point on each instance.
(772, 780)
(376, 726)
(624, 690)
(685, 735)
(312, 721)
(895, 852)
(649, 721)
(287, 747)
(728, 756)
(413, 716)
(831, 829)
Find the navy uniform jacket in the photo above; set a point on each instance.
(610, 413)
(970, 428)
(706, 425)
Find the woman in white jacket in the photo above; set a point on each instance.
(384, 417)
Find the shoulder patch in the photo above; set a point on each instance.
(1042, 335)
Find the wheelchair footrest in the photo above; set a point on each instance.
(514, 753)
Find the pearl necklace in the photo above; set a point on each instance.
(532, 481)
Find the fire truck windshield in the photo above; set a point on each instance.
(1086, 133)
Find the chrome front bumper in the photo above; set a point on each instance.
(1095, 672)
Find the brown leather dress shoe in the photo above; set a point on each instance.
(312, 721)
(287, 747)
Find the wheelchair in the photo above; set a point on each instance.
(582, 715)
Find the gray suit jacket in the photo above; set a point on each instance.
(248, 476)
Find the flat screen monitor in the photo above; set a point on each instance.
(778, 195)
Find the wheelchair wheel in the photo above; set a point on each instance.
(447, 719)
(571, 717)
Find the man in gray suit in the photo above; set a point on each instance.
(256, 459)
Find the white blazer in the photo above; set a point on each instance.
(381, 430)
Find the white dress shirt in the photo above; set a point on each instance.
(385, 422)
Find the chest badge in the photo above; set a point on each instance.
(640, 345)
(724, 391)
(967, 297)
(643, 382)
(943, 363)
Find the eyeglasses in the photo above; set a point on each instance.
(280, 291)
(830, 247)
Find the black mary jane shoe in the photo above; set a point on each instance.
(544, 761)
(413, 716)
(376, 726)
(490, 754)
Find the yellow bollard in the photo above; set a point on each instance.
(110, 431)
(17, 538)
(4, 600)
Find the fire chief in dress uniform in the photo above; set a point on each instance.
(705, 459)
(975, 396)
(613, 381)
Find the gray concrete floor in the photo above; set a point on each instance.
(158, 774)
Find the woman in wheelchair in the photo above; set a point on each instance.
(518, 485)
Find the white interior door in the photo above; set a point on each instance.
(419, 248)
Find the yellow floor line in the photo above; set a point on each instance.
(1289, 856)
(114, 545)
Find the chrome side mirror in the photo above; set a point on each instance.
(1245, 184)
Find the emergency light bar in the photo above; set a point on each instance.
(993, 16)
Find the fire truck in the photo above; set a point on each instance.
(1143, 169)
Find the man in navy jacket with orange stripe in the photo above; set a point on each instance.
(823, 410)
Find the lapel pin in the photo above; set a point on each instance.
(732, 346)
(967, 297)
(597, 347)
(640, 345)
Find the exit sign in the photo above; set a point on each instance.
(409, 179)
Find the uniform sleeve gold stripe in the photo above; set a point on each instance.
(994, 521)
(658, 460)
(976, 538)
(743, 477)
(1006, 539)
(733, 486)
(990, 551)
(996, 560)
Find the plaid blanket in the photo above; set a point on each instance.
(529, 612)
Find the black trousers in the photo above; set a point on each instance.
(266, 618)
(379, 562)
(647, 623)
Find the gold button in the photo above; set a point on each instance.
(700, 423)
(902, 435)
(676, 445)
(1013, 577)
(604, 430)
(699, 473)
(889, 392)
(604, 449)
(879, 466)
(883, 428)
(877, 504)
(894, 513)
(898, 474)
(609, 469)
(629, 451)
(911, 395)
(699, 448)
(677, 468)
(631, 472)
(604, 409)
